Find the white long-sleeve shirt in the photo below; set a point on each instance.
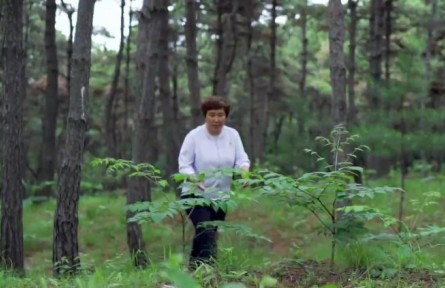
(202, 152)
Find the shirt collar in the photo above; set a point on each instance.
(210, 136)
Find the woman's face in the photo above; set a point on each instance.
(215, 120)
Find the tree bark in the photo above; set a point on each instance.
(126, 135)
(143, 149)
(192, 63)
(12, 256)
(352, 109)
(69, 10)
(304, 60)
(51, 101)
(110, 117)
(169, 128)
(388, 32)
(226, 46)
(65, 244)
(337, 61)
(375, 53)
(338, 83)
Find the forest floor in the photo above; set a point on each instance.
(297, 254)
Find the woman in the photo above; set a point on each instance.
(209, 149)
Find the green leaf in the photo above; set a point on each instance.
(180, 278)
(268, 281)
(234, 285)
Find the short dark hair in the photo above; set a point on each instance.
(214, 103)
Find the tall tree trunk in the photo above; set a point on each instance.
(64, 103)
(226, 46)
(388, 32)
(375, 82)
(272, 79)
(51, 101)
(110, 115)
(12, 256)
(375, 52)
(169, 127)
(352, 109)
(251, 85)
(337, 62)
(304, 59)
(338, 83)
(139, 189)
(192, 62)
(69, 10)
(126, 134)
(65, 243)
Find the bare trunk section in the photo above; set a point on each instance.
(65, 243)
(251, 85)
(337, 62)
(352, 109)
(272, 79)
(375, 52)
(169, 127)
(304, 60)
(64, 102)
(12, 256)
(49, 122)
(192, 62)
(338, 83)
(110, 115)
(126, 133)
(69, 10)
(388, 32)
(226, 46)
(139, 189)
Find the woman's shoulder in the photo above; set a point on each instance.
(231, 131)
(195, 131)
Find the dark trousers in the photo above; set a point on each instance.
(204, 248)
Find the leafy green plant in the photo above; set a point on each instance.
(159, 210)
(130, 169)
(328, 194)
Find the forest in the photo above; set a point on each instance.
(340, 106)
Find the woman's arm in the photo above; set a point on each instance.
(186, 157)
(241, 159)
(186, 160)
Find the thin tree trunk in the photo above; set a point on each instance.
(126, 134)
(51, 100)
(352, 110)
(12, 256)
(192, 62)
(110, 115)
(337, 62)
(69, 10)
(375, 52)
(253, 143)
(64, 103)
(272, 79)
(428, 73)
(219, 43)
(338, 83)
(304, 60)
(169, 127)
(227, 50)
(65, 244)
(351, 107)
(388, 32)
(139, 189)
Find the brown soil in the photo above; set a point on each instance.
(311, 273)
